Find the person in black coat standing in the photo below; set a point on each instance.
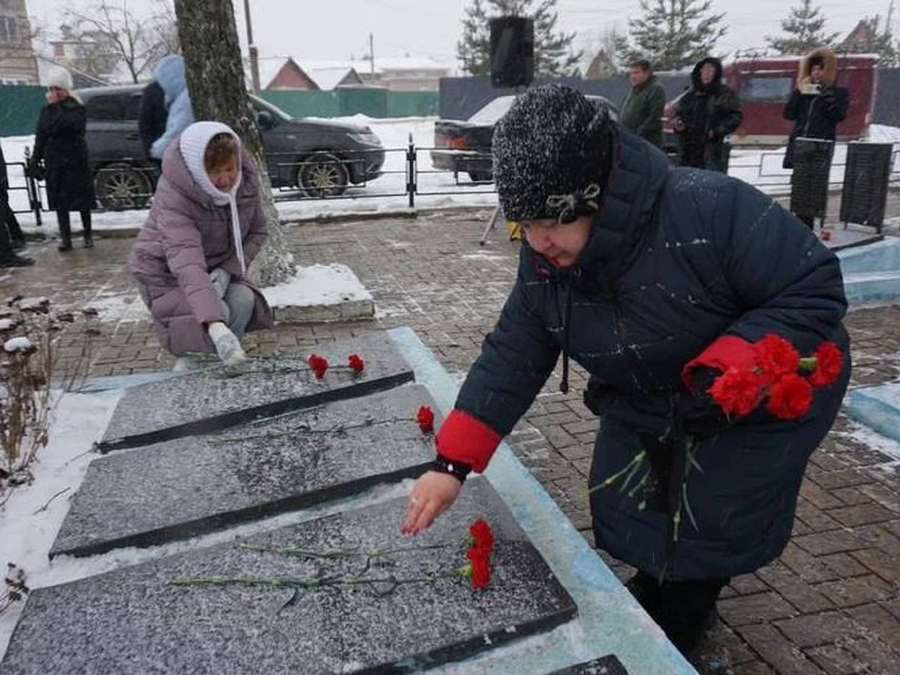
(59, 144)
(659, 281)
(704, 116)
(817, 105)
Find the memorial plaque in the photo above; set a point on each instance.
(213, 399)
(607, 665)
(193, 485)
(866, 178)
(342, 594)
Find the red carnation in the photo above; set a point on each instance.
(737, 391)
(775, 357)
(356, 363)
(829, 362)
(318, 364)
(425, 419)
(480, 535)
(790, 397)
(479, 567)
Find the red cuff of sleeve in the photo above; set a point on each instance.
(466, 439)
(725, 352)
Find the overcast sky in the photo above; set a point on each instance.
(339, 29)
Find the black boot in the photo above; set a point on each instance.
(647, 591)
(86, 226)
(688, 610)
(65, 231)
(11, 259)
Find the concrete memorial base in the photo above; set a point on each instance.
(214, 399)
(343, 594)
(190, 486)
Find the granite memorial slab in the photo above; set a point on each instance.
(214, 398)
(607, 665)
(189, 486)
(342, 594)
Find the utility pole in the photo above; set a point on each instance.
(254, 52)
(890, 19)
(372, 56)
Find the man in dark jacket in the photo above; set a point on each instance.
(655, 280)
(816, 105)
(704, 116)
(642, 109)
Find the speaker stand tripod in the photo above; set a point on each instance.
(498, 212)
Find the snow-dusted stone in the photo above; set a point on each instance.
(214, 399)
(320, 294)
(17, 344)
(607, 665)
(135, 621)
(194, 485)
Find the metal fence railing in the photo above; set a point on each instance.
(411, 171)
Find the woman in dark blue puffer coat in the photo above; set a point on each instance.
(649, 276)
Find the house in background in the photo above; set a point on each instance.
(602, 66)
(17, 61)
(284, 73)
(329, 77)
(92, 55)
(404, 73)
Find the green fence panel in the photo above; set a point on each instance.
(412, 103)
(305, 103)
(369, 101)
(20, 106)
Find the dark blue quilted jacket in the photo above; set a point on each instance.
(677, 258)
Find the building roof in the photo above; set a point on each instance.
(328, 78)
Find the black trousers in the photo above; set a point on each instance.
(8, 222)
(65, 227)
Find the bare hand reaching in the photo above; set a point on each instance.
(433, 493)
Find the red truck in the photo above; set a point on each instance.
(765, 83)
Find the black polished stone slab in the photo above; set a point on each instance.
(189, 486)
(133, 621)
(212, 399)
(606, 665)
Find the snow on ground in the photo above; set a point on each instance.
(317, 285)
(31, 518)
(388, 192)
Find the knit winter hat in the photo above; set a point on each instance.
(59, 78)
(551, 154)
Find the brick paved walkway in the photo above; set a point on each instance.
(830, 604)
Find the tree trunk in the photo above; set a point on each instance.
(215, 80)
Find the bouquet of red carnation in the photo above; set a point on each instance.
(481, 544)
(780, 375)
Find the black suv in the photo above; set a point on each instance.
(319, 157)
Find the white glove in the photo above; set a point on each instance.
(220, 279)
(228, 347)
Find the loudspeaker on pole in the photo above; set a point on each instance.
(512, 51)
